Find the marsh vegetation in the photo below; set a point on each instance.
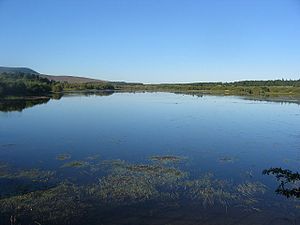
(121, 183)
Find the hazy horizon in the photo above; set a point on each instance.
(153, 41)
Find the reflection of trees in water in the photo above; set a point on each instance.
(88, 93)
(103, 93)
(194, 94)
(19, 104)
(9, 105)
(289, 181)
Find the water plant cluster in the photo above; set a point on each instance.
(32, 174)
(118, 183)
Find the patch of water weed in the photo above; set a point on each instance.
(31, 174)
(3, 166)
(125, 188)
(58, 205)
(92, 157)
(63, 157)
(124, 183)
(75, 164)
(166, 159)
(210, 191)
(135, 182)
(249, 192)
(113, 166)
(156, 173)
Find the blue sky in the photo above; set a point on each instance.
(153, 40)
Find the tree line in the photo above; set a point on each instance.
(22, 84)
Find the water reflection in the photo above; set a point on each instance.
(11, 105)
(289, 181)
(19, 104)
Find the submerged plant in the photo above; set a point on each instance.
(63, 157)
(249, 191)
(251, 188)
(156, 173)
(58, 205)
(32, 174)
(3, 166)
(113, 183)
(134, 182)
(166, 159)
(92, 157)
(124, 188)
(210, 191)
(75, 164)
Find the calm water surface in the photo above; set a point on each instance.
(148, 158)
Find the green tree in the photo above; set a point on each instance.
(57, 88)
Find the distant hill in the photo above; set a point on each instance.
(17, 70)
(68, 79)
(71, 79)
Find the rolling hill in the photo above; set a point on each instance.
(68, 79)
(17, 70)
(71, 79)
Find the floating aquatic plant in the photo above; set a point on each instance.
(63, 157)
(156, 172)
(32, 174)
(123, 183)
(113, 163)
(251, 188)
(134, 182)
(76, 164)
(92, 157)
(58, 205)
(166, 159)
(249, 191)
(210, 191)
(3, 166)
(113, 166)
(124, 188)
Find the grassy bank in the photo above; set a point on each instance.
(220, 89)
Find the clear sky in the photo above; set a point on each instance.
(153, 40)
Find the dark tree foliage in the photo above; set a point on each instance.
(282, 82)
(23, 84)
(87, 86)
(286, 178)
